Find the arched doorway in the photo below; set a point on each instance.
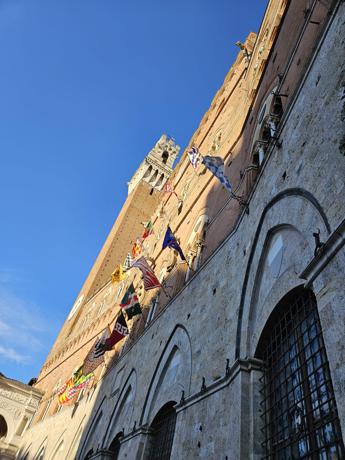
(3, 427)
(115, 445)
(299, 413)
(163, 429)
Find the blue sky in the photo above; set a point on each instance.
(86, 89)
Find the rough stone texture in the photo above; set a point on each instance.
(250, 262)
(18, 403)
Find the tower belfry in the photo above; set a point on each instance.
(156, 168)
(143, 197)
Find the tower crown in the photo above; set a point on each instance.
(157, 165)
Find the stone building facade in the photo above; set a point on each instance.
(18, 404)
(242, 354)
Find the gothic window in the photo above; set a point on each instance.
(299, 413)
(114, 447)
(3, 427)
(163, 428)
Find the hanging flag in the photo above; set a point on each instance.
(118, 274)
(120, 331)
(95, 357)
(216, 166)
(127, 263)
(148, 226)
(65, 395)
(171, 242)
(169, 188)
(150, 280)
(194, 156)
(137, 249)
(130, 303)
(75, 385)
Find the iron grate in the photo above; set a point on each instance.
(299, 413)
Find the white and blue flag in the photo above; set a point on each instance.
(216, 166)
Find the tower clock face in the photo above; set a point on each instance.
(76, 305)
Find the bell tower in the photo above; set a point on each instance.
(157, 165)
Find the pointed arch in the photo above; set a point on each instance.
(172, 374)
(88, 440)
(121, 416)
(305, 198)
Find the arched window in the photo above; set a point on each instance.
(165, 156)
(299, 413)
(163, 428)
(114, 447)
(3, 427)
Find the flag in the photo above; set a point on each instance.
(137, 249)
(171, 242)
(65, 393)
(118, 274)
(216, 166)
(120, 331)
(150, 280)
(95, 357)
(148, 229)
(74, 386)
(130, 303)
(127, 263)
(194, 156)
(169, 188)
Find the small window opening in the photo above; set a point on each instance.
(277, 106)
(165, 156)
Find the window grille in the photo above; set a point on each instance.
(163, 428)
(299, 413)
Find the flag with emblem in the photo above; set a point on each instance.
(137, 248)
(171, 242)
(148, 226)
(194, 156)
(118, 274)
(216, 166)
(127, 263)
(95, 357)
(130, 303)
(150, 279)
(119, 332)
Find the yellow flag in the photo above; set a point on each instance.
(118, 274)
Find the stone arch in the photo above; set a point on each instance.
(23, 453)
(281, 260)
(71, 454)
(3, 427)
(8, 422)
(121, 417)
(91, 433)
(172, 375)
(57, 453)
(41, 450)
(304, 213)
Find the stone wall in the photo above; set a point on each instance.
(221, 311)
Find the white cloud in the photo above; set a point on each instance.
(13, 355)
(23, 325)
